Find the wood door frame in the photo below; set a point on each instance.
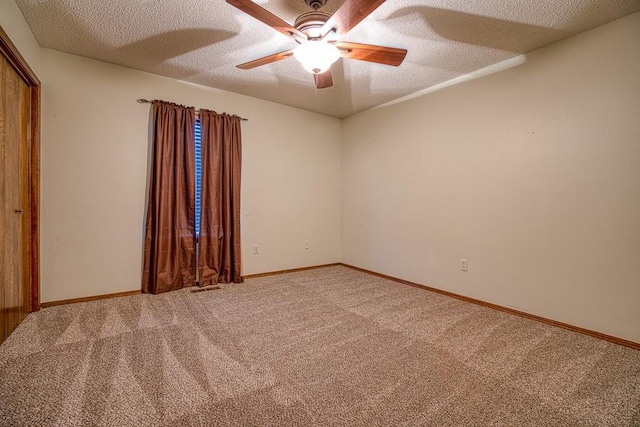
(9, 51)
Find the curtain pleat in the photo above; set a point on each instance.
(219, 259)
(169, 244)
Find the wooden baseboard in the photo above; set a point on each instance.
(594, 334)
(292, 270)
(129, 293)
(85, 299)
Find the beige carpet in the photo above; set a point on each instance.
(326, 347)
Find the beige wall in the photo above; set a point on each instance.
(94, 170)
(14, 24)
(531, 174)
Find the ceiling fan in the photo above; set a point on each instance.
(317, 34)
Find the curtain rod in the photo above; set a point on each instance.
(146, 101)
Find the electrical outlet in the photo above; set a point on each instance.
(255, 249)
(464, 265)
(306, 244)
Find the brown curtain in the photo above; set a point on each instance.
(219, 258)
(169, 243)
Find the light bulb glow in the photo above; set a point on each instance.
(316, 56)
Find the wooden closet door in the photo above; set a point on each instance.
(15, 283)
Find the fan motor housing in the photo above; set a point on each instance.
(314, 19)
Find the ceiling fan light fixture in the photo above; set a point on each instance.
(316, 56)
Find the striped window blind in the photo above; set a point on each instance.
(198, 173)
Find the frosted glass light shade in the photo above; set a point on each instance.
(316, 56)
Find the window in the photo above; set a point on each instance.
(198, 173)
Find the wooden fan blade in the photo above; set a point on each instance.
(349, 15)
(262, 14)
(371, 53)
(266, 60)
(323, 80)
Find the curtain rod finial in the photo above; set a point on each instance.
(142, 101)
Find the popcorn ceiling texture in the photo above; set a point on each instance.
(201, 41)
(323, 347)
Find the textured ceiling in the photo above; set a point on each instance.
(201, 41)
